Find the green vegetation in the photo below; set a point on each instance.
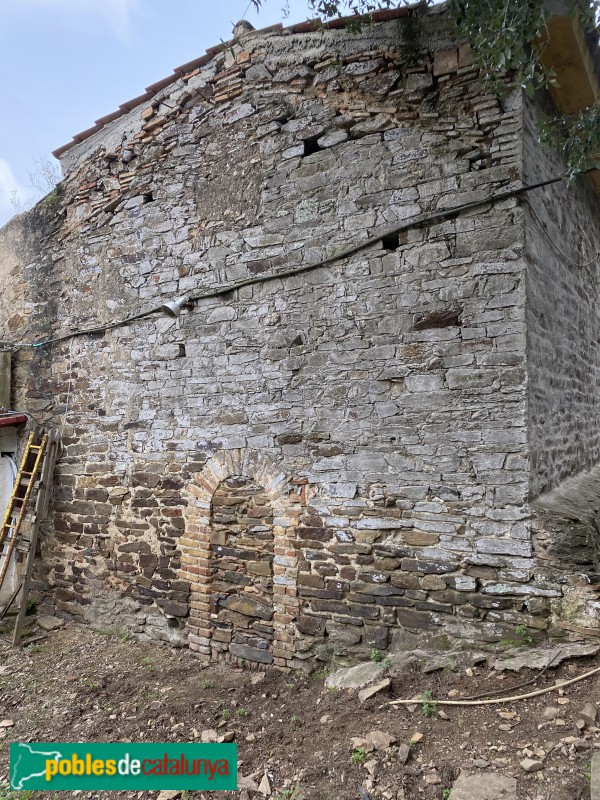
(89, 684)
(522, 633)
(289, 794)
(522, 638)
(6, 793)
(359, 756)
(508, 38)
(586, 771)
(428, 706)
(320, 674)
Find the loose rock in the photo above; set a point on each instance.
(531, 765)
(380, 740)
(264, 786)
(539, 658)
(403, 753)
(588, 713)
(48, 623)
(370, 691)
(484, 786)
(358, 677)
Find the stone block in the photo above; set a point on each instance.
(251, 653)
(419, 538)
(173, 608)
(247, 606)
(357, 677)
(313, 626)
(421, 620)
(343, 633)
(484, 786)
(511, 547)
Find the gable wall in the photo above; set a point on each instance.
(401, 433)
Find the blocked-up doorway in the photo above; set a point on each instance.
(241, 604)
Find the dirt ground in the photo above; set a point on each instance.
(78, 685)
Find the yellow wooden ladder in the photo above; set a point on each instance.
(35, 472)
(19, 499)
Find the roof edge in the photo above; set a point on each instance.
(310, 26)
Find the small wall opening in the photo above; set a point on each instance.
(311, 146)
(391, 241)
(241, 563)
(441, 318)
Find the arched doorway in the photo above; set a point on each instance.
(277, 506)
(241, 562)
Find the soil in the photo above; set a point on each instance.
(81, 685)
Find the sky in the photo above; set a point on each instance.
(65, 63)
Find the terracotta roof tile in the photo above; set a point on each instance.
(63, 149)
(178, 72)
(137, 101)
(110, 117)
(156, 87)
(87, 133)
(302, 27)
(218, 48)
(390, 13)
(192, 65)
(277, 27)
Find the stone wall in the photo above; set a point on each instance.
(563, 290)
(377, 406)
(27, 306)
(563, 294)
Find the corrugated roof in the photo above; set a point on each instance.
(309, 26)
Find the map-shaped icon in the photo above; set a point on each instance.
(34, 766)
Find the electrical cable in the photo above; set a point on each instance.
(421, 219)
(497, 700)
(583, 265)
(506, 689)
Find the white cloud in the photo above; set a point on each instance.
(13, 196)
(116, 13)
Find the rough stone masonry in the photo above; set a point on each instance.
(315, 465)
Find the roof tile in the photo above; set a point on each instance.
(185, 69)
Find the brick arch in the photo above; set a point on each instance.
(196, 552)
